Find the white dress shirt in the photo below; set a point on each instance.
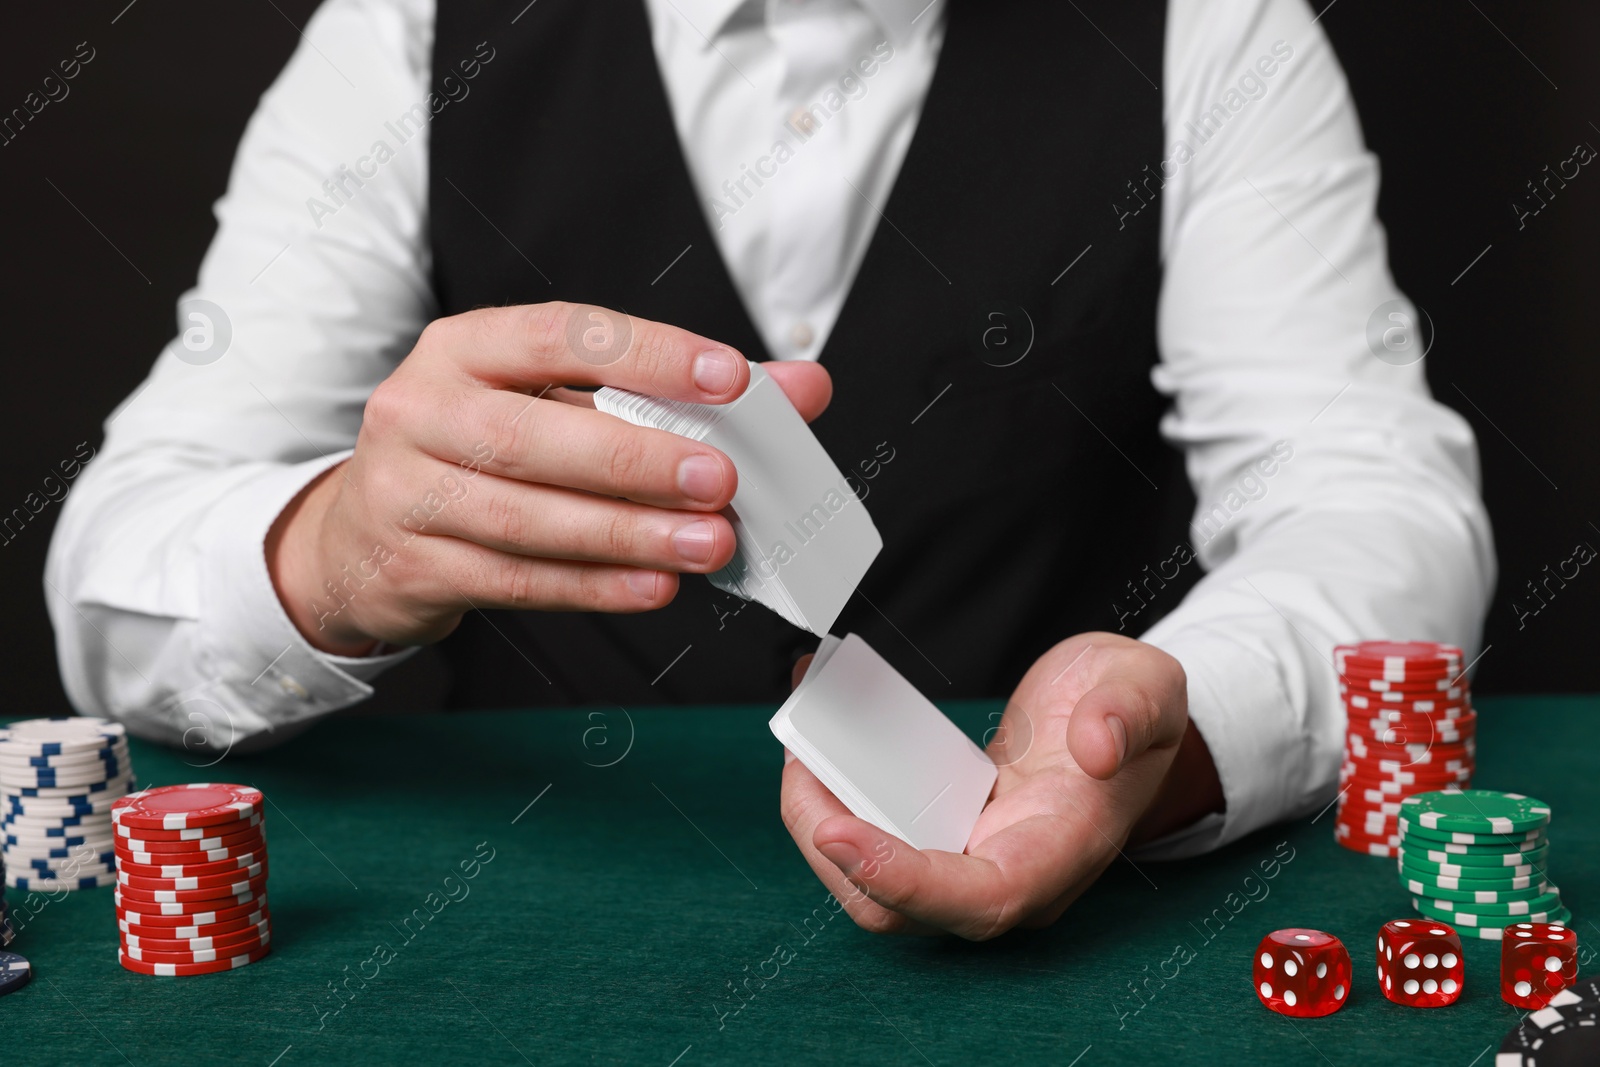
(1273, 264)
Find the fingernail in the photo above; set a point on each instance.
(695, 541)
(788, 757)
(644, 583)
(715, 371)
(843, 855)
(700, 478)
(1119, 736)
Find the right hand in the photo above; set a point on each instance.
(478, 481)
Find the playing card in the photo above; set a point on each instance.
(804, 539)
(882, 748)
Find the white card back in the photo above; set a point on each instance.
(805, 540)
(911, 765)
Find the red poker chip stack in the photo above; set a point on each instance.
(191, 879)
(1410, 729)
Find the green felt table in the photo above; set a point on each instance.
(639, 871)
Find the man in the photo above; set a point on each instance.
(993, 224)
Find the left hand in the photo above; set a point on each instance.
(1084, 752)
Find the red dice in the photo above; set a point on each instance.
(1305, 973)
(1537, 961)
(1419, 963)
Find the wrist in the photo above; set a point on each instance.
(297, 562)
(1191, 790)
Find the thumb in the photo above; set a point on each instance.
(808, 385)
(1129, 711)
(799, 671)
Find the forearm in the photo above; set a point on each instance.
(165, 619)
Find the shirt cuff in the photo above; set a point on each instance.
(264, 674)
(1238, 703)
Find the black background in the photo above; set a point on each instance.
(108, 198)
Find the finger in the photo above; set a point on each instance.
(1011, 875)
(541, 520)
(808, 385)
(1134, 706)
(801, 665)
(546, 441)
(579, 344)
(469, 575)
(806, 803)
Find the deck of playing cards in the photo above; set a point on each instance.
(883, 749)
(804, 539)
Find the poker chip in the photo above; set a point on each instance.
(239, 890)
(42, 844)
(1446, 703)
(48, 807)
(185, 807)
(1477, 858)
(227, 878)
(1545, 902)
(1381, 770)
(1370, 844)
(219, 930)
(244, 937)
(1466, 865)
(1447, 837)
(1410, 729)
(1565, 1033)
(144, 839)
(1535, 889)
(192, 870)
(133, 916)
(65, 881)
(1498, 847)
(58, 780)
(1397, 656)
(1496, 922)
(1387, 732)
(50, 737)
(94, 790)
(1444, 708)
(1495, 931)
(251, 845)
(15, 972)
(1395, 787)
(186, 969)
(86, 775)
(1479, 811)
(204, 955)
(1471, 875)
(192, 874)
(1440, 690)
(67, 860)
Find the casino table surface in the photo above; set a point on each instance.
(629, 870)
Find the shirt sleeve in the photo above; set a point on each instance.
(1337, 499)
(313, 289)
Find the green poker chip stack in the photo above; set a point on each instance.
(1479, 860)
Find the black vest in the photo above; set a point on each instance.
(1020, 500)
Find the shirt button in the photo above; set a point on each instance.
(802, 335)
(293, 687)
(802, 119)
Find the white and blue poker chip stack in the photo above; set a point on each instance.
(58, 779)
(7, 934)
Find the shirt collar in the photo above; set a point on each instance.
(895, 17)
(707, 17)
